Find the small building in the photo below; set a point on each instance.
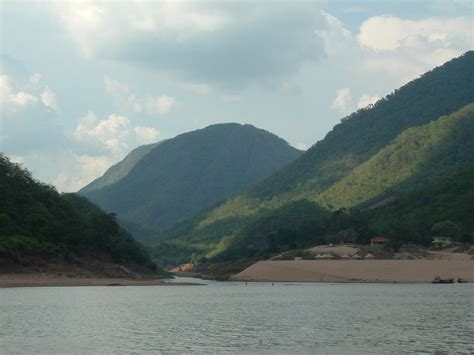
(356, 257)
(442, 242)
(298, 258)
(345, 257)
(369, 256)
(379, 240)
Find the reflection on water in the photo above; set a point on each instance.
(234, 317)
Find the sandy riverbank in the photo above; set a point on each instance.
(416, 271)
(35, 280)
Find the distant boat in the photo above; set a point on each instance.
(439, 280)
(462, 281)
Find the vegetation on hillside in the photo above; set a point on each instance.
(419, 156)
(362, 160)
(118, 171)
(39, 225)
(191, 172)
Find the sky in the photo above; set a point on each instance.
(83, 83)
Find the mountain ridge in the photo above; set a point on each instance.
(194, 170)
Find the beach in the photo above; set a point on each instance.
(403, 271)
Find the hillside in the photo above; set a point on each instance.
(39, 227)
(352, 143)
(191, 172)
(418, 156)
(119, 170)
(417, 159)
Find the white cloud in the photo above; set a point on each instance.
(389, 33)
(49, 98)
(86, 168)
(18, 159)
(162, 104)
(404, 49)
(114, 134)
(147, 134)
(11, 98)
(230, 43)
(366, 100)
(301, 146)
(146, 105)
(106, 133)
(343, 100)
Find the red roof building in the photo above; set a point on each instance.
(379, 240)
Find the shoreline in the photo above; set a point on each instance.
(356, 271)
(35, 280)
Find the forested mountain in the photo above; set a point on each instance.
(119, 170)
(364, 158)
(419, 156)
(39, 226)
(191, 172)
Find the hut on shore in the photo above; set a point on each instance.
(369, 256)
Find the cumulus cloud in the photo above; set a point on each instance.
(389, 33)
(49, 99)
(366, 100)
(343, 100)
(86, 168)
(113, 134)
(147, 134)
(12, 99)
(227, 44)
(107, 132)
(405, 49)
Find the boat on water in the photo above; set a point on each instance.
(439, 280)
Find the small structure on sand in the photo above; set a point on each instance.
(442, 242)
(298, 258)
(379, 240)
(356, 257)
(369, 256)
(345, 257)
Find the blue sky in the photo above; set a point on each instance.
(83, 83)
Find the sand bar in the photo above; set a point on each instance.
(410, 271)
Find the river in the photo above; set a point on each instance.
(235, 317)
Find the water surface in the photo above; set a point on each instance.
(234, 317)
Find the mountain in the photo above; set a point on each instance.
(327, 171)
(118, 171)
(419, 156)
(420, 163)
(184, 175)
(39, 227)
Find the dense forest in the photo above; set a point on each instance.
(39, 226)
(182, 176)
(400, 144)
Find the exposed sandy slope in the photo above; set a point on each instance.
(357, 270)
(338, 250)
